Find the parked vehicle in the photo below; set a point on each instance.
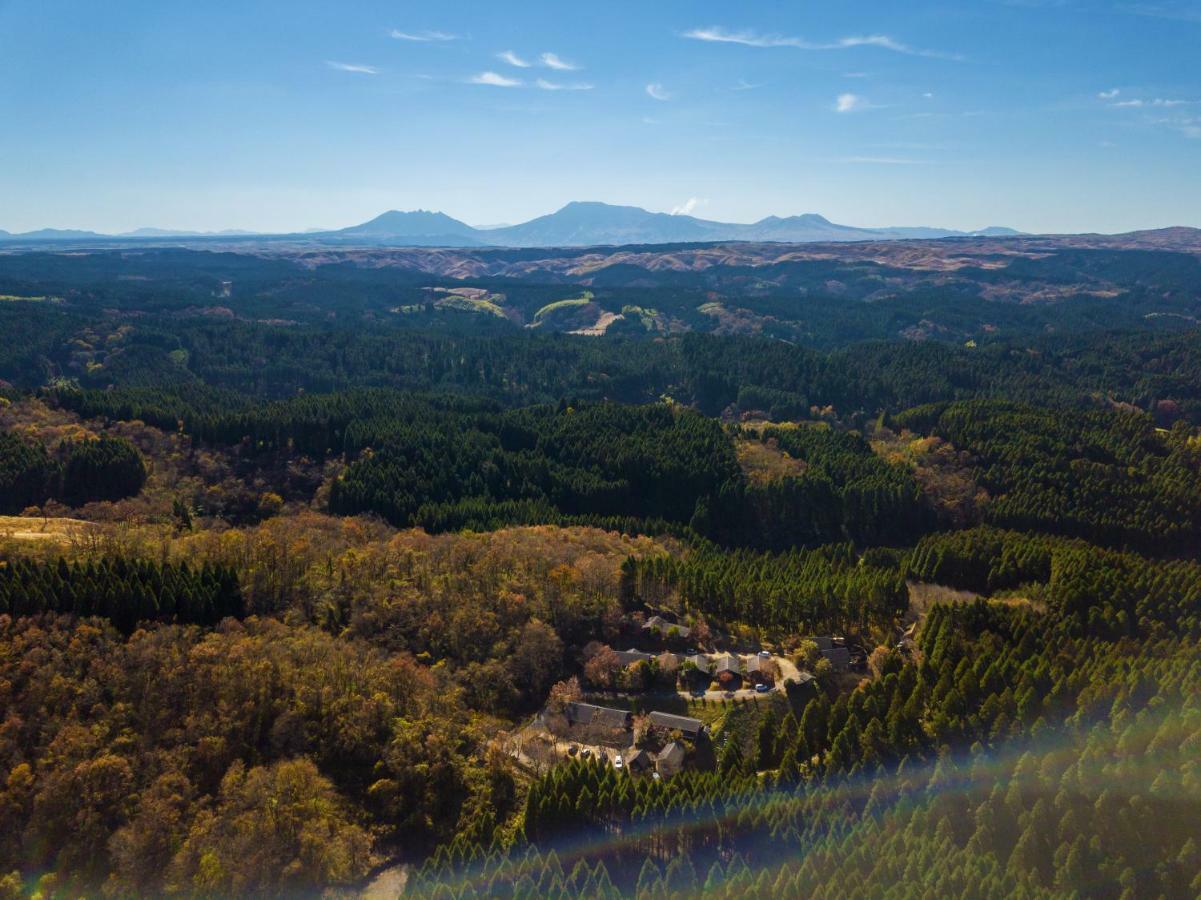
(573, 750)
(763, 654)
(763, 689)
(587, 754)
(617, 762)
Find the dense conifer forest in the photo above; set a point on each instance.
(292, 602)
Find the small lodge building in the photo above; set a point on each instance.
(640, 761)
(689, 727)
(728, 671)
(599, 718)
(758, 670)
(663, 628)
(670, 760)
(840, 658)
(632, 657)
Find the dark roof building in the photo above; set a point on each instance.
(840, 658)
(689, 727)
(586, 714)
(632, 656)
(640, 761)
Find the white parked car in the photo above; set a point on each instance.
(617, 762)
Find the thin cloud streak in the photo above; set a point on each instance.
(750, 38)
(512, 59)
(656, 91)
(882, 161)
(545, 85)
(554, 61)
(422, 37)
(1178, 11)
(357, 68)
(1158, 102)
(494, 79)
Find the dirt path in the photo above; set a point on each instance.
(388, 884)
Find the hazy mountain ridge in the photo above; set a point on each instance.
(578, 224)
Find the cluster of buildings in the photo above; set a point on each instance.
(731, 671)
(590, 723)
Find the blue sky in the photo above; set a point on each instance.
(1045, 115)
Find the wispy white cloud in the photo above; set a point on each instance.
(744, 85)
(656, 91)
(1171, 111)
(1189, 126)
(847, 103)
(554, 61)
(882, 161)
(1179, 10)
(750, 38)
(357, 68)
(1111, 98)
(422, 36)
(689, 206)
(512, 59)
(1160, 102)
(494, 79)
(560, 86)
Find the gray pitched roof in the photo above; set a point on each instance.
(639, 759)
(672, 722)
(673, 753)
(589, 714)
(729, 663)
(631, 656)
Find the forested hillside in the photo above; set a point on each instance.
(330, 576)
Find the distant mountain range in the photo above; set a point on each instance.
(587, 224)
(577, 224)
